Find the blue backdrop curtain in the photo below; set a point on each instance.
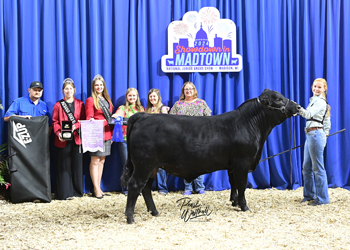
(285, 45)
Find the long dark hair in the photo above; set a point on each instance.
(150, 105)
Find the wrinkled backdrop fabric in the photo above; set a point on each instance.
(285, 45)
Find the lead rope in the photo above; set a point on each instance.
(291, 151)
(80, 138)
(342, 130)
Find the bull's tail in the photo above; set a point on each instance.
(128, 169)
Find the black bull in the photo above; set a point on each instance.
(188, 146)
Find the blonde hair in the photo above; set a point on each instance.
(195, 94)
(104, 93)
(68, 81)
(322, 80)
(150, 105)
(137, 103)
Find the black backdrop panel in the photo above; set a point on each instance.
(29, 163)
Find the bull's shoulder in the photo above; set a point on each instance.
(136, 117)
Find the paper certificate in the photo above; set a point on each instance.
(92, 135)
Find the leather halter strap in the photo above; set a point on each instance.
(282, 109)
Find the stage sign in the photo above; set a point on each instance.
(202, 42)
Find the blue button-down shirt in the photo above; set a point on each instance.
(25, 106)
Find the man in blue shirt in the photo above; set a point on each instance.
(30, 105)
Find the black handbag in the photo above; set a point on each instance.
(110, 120)
(125, 121)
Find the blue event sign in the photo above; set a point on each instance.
(202, 42)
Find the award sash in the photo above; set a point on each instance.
(67, 110)
(107, 114)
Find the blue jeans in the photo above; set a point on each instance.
(161, 181)
(123, 151)
(314, 173)
(198, 184)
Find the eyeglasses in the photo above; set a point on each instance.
(189, 89)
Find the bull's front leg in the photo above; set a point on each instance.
(233, 196)
(240, 178)
(241, 200)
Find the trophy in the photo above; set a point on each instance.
(67, 133)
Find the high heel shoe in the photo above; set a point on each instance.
(97, 197)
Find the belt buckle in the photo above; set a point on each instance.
(305, 130)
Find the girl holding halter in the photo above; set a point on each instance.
(317, 129)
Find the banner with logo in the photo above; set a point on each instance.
(92, 135)
(29, 163)
(202, 42)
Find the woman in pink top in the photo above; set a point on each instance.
(190, 104)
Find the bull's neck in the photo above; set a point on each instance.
(263, 119)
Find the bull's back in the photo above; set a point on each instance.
(151, 131)
(201, 143)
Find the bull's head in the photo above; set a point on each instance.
(276, 101)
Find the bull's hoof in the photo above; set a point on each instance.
(130, 220)
(155, 213)
(235, 203)
(244, 208)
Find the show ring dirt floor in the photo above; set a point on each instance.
(276, 220)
